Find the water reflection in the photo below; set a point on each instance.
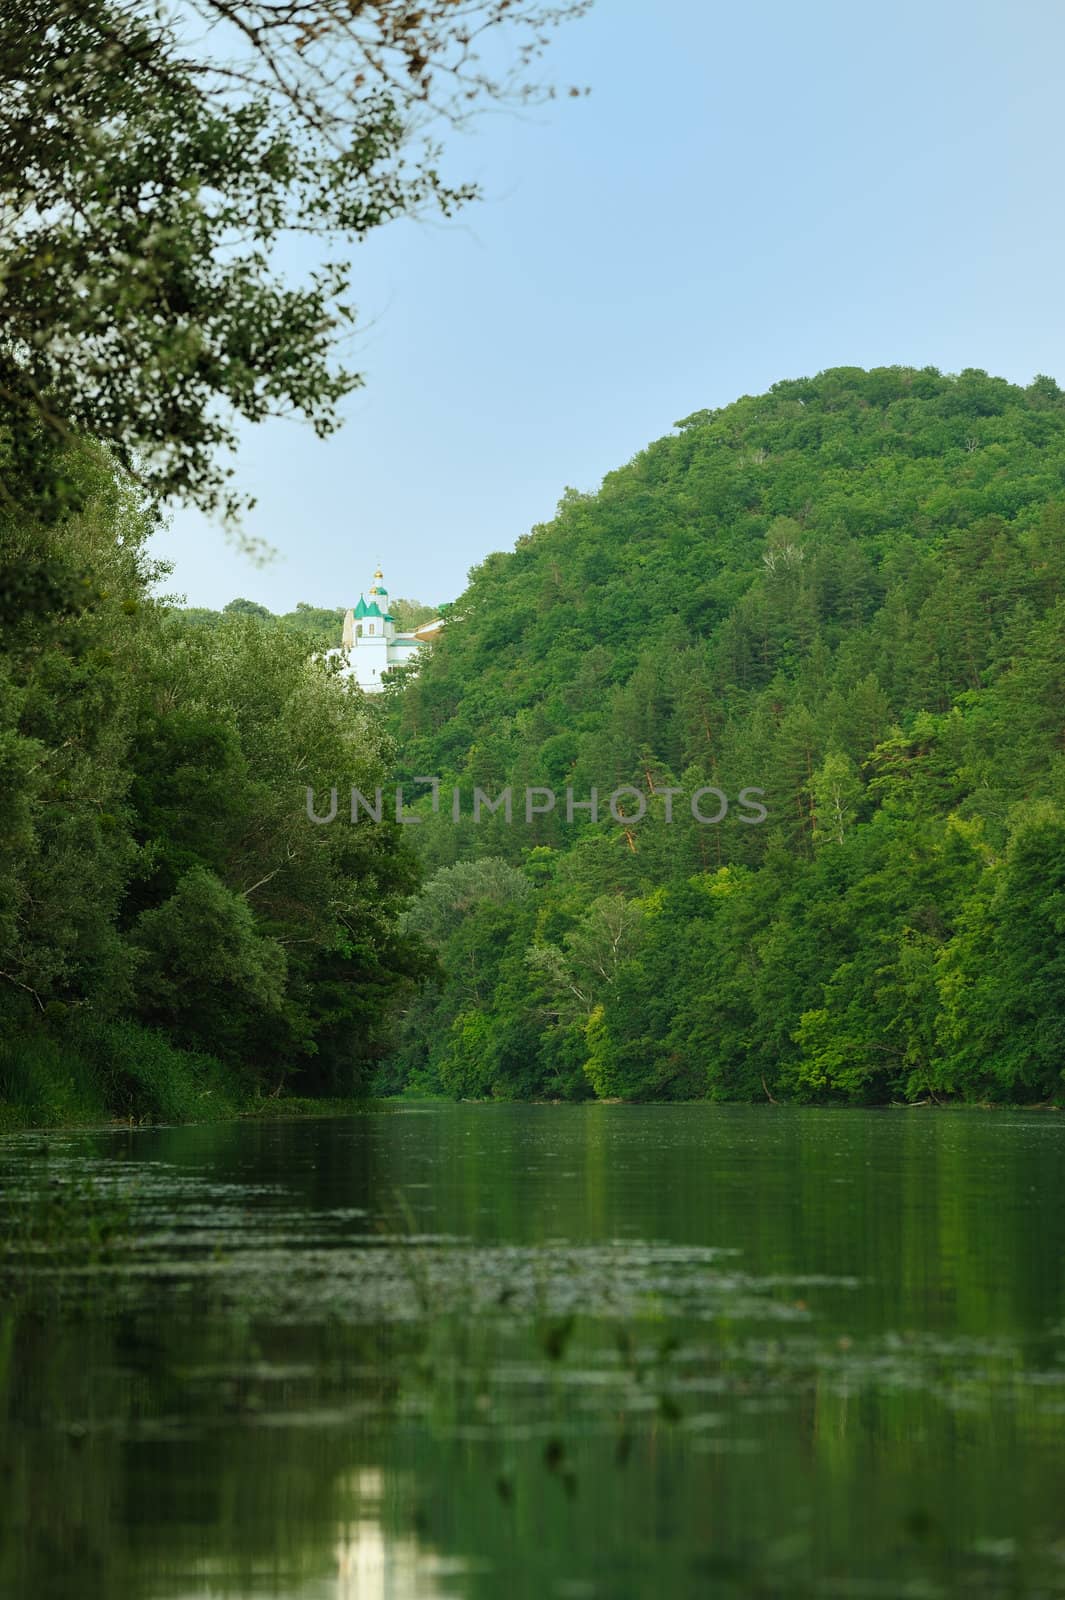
(537, 1351)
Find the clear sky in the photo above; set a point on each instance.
(750, 192)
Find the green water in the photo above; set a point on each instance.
(537, 1351)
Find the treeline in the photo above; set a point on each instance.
(848, 592)
(175, 937)
(318, 626)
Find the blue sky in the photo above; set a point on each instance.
(750, 192)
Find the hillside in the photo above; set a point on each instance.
(847, 593)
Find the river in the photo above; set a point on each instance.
(532, 1351)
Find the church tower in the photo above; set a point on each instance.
(370, 645)
(378, 592)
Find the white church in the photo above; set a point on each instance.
(370, 646)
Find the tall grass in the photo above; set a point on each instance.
(89, 1071)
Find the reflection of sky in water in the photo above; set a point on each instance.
(372, 1565)
(369, 1563)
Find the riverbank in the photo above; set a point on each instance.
(93, 1075)
(271, 1108)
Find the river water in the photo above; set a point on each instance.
(482, 1351)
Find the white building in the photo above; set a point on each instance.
(370, 646)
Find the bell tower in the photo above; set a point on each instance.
(370, 646)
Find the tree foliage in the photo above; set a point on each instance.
(850, 593)
(157, 866)
(153, 159)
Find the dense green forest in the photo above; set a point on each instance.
(848, 592)
(175, 938)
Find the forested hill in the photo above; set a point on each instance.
(740, 549)
(847, 592)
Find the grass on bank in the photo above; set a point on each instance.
(92, 1072)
